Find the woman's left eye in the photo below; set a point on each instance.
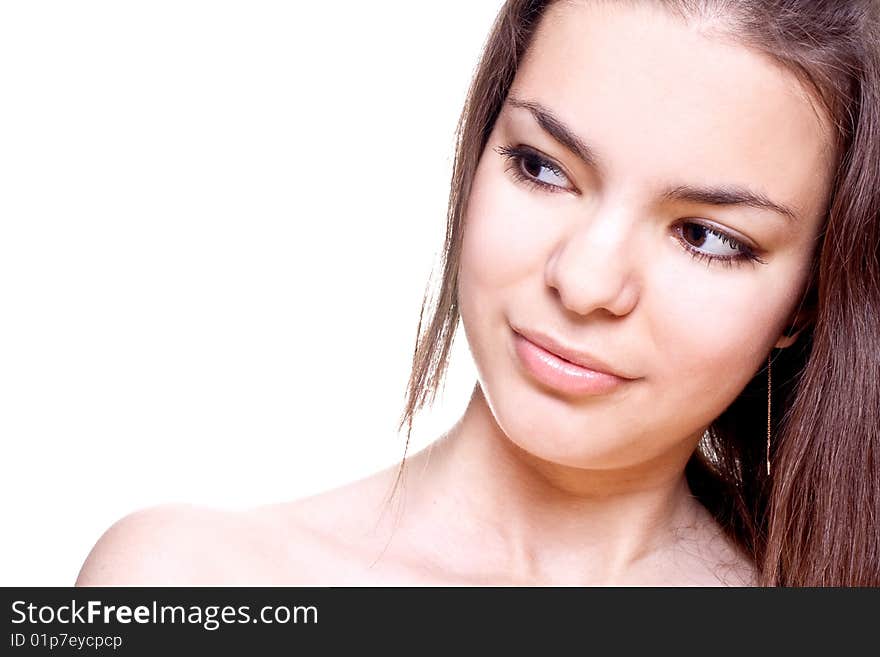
(529, 167)
(711, 245)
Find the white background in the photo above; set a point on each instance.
(217, 221)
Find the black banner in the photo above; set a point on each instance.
(172, 621)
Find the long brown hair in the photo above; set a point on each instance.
(816, 520)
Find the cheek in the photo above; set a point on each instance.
(501, 256)
(504, 236)
(712, 330)
(486, 264)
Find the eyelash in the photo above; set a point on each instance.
(516, 155)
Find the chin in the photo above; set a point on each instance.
(548, 432)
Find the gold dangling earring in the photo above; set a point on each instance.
(768, 415)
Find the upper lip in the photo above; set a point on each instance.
(570, 354)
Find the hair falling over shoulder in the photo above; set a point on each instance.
(816, 520)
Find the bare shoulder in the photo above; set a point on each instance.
(328, 537)
(172, 544)
(347, 518)
(343, 537)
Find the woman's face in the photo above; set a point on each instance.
(610, 252)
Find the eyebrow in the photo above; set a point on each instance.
(725, 195)
(558, 130)
(728, 195)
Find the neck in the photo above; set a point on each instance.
(539, 521)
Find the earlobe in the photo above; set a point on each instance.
(788, 338)
(796, 325)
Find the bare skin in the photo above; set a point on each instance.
(350, 536)
(534, 487)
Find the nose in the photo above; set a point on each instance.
(594, 266)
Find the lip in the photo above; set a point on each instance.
(564, 369)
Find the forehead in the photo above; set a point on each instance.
(664, 101)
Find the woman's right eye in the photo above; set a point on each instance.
(529, 167)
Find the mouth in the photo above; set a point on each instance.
(540, 358)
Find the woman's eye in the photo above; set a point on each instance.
(711, 245)
(706, 239)
(528, 167)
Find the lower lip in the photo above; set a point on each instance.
(560, 374)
